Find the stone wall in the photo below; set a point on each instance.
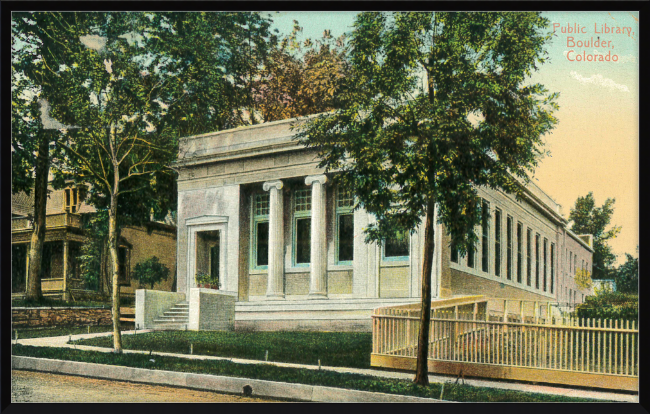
(43, 317)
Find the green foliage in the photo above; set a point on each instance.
(436, 105)
(610, 305)
(206, 278)
(301, 78)
(583, 279)
(627, 275)
(150, 272)
(453, 392)
(92, 252)
(589, 219)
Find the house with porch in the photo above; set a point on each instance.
(64, 235)
(255, 211)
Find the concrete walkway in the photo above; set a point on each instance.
(62, 342)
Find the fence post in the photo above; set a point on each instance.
(455, 333)
(536, 312)
(505, 310)
(521, 310)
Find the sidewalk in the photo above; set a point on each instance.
(61, 342)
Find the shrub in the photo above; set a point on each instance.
(150, 272)
(610, 305)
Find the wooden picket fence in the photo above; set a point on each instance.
(480, 342)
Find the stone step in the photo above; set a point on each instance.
(172, 320)
(176, 312)
(169, 327)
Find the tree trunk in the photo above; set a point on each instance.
(422, 372)
(40, 203)
(115, 271)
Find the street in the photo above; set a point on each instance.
(28, 386)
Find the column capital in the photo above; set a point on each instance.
(272, 184)
(322, 179)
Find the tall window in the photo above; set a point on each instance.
(71, 200)
(575, 263)
(497, 242)
(570, 262)
(545, 257)
(454, 253)
(123, 265)
(553, 266)
(397, 247)
(509, 248)
(260, 231)
(471, 256)
(529, 257)
(583, 265)
(344, 226)
(302, 227)
(485, 239)
(536, 261)
(519, 246)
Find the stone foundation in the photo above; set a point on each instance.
(44, 317)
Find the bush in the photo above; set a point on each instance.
(150, 272)
(610, 305)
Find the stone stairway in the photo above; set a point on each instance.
(175, 318)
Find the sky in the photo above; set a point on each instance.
(595, 146)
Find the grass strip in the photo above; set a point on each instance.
(336, 349)
(25, 333)
(453, 392)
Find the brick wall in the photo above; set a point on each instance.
(42, 317)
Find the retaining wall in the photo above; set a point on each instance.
(59, 316)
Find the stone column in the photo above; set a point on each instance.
(66, 249)
(275, 276)
(318, 253)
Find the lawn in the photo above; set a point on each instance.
(25, 333)
(337, 349)
(452, 392)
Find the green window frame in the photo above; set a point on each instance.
(537, 261)
(529, 258)
(485, 236)
(497, 242)
(301, 228)
(520, 235)
(260, 209)
(344, 226)
(553, 267)
(544, 279)
(509, 247)
(400, 243)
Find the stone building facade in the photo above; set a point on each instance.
(255, 209)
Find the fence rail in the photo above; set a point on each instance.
(594, 346)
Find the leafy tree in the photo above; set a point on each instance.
(437, 104)
(609, 305)
(150, 272)
(583, 279)
(93, 249)
(589, 219)
(301, 78)
(123, 81)
(30, 150)
(219, 77)
(627, 275)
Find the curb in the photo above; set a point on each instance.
(230, 385)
